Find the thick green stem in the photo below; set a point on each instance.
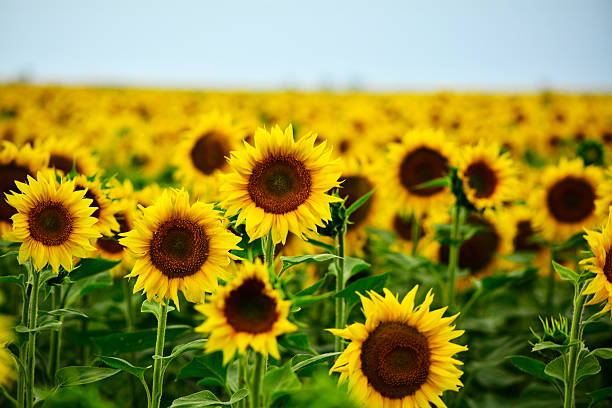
(56, 336)
(415, 234)
(575, 334)
(158, 379)
(242, 378)
(23, 349)
(267, 246)
(453, 256)
(129, 308)
(340, 303)
(259, 370)
(31, 350)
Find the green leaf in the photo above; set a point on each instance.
(300, 301)
(353, 266)
(315, 360)
(296, 341)
(349, 293)
(313, 288)
(153, 307)
(124, 365)
(79, 375)
(279, 381)
(565, 273)
(549, 345)
(358, 203)
(63, 312)
(437, 182)
(530, 366)
(88, 285)
(327, 247)
(289, 261)
(587, 367)
(91, 266)
(207, 399)
(556, 368)
(10, 253)
(206, 366)
(605, 353)
(52, 325)
(118, 343)
(600, 395)
(18, 280)
(183, 348)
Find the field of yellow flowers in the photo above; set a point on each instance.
(192, 249)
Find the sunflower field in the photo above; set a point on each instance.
(190, 249)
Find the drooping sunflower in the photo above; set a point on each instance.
(53, 222)
(16, 164)
(178, 247)
(403, 355)
(105, 208)
(202, 154)
(565, 201)
(488, 176)
(280, 184)
(247, 312)
(601, 265)
(421, 156)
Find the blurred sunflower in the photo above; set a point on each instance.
(516, 226)
(280, 184)
(421, 156)
(601, 265)
(247, 312)
(105, 208)
(7, 362)
(64, 153)
(109, 247)
(489, 176)
(178, 247)
(603, 203)
(565, 201)
(53, 222)
(403, 355)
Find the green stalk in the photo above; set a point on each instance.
(570, 377)
(453, 256)
(129, 309)
(415, 234)
(158, 380)
(55, 341)
(267, 246)
(550, 291)
(259, 370)
(23, 348)
(340, 303)
(242, 377)
(31, 350)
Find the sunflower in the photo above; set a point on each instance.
(53, 222)
(202, 154)
(403, 355)
(279, 185)
(489, 176)
(179, 247)
(401, 225)
(421, 156)
(516, 226)
(247, 312)
(601, 265)
(7, 363)
(603, 203)
(16, 164)
(64, 153)
(565, 201)
(105, 208)
(109, 247)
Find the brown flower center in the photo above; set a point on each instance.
(523, 240)
(395, 359)
(249, 309)
(63, 163)
(607, 269)
(420, 166)
(353, 188)
(50, 223)
(403, 227)
(179, 248)
(209, 152)
(111, 245)
(9, 173)
(481, 178)
(279, 184)
(571, 199)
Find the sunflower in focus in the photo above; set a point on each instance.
(489, 176)
(421, 156)
(202, 154)
(565, 201)
(16, 164)
(105, 208)
(280, 184)
(601, 265)
(247, 312)
(178, 247)
(54, 222)
(403, 355)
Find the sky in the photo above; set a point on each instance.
(503, 45)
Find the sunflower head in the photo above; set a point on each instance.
(246, 312)
(280, 184)
(178, 246)
(105, 207)
(601, 265)
(53, 222)
(402, 356)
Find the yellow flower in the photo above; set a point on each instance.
(105, 208)
(179, 247)
(280, 184)
(403, 355)
(64, 153)
(7, 363)
(601, 265)
(247, 312)
(53, 222)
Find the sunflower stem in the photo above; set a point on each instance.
(259, 370)
(575, 335)
(453, 257)
(242, 377)
(415, 234)
(340, 303)
(56, 339)
(158, 380)
(550, 291)
(267, 246)
(129, 308)
(31, 348)
(23, 348)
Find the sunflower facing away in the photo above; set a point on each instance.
(601, 265)
(279, 184)
(247, 312)
(179, 247)
(402, 356)
(53, 222)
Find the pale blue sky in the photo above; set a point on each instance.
(379, 45)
